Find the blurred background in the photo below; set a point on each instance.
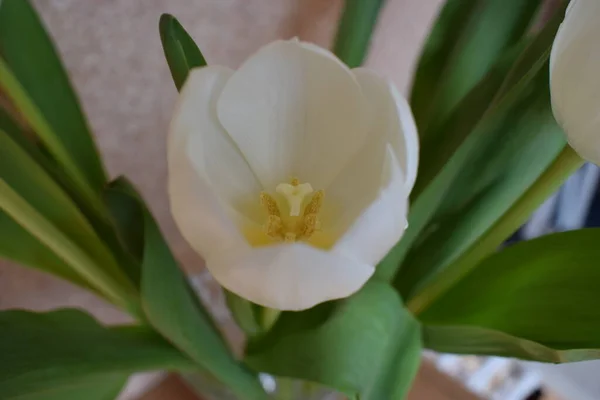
(112, 51)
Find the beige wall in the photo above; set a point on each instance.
(113, 53)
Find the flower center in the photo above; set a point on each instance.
(296, 226)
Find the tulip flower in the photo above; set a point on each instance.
(574, 82)
(291, 175)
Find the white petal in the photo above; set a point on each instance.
(383, 220)
(206, 173)
(390, 115)
(288, 277)
(294, 110)
(574, 83)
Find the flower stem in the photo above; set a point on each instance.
(566, 163)
(268, 317)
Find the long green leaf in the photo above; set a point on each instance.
(502, 86)
(43, 92)
(367, 345)
(37, 203)
(472, 340)
(174, 311)
(562, 167)
(469, 37)
(104, 387)
(512, 157)
(58, 350)
(181, 52)
(355, 30)
(465, 132)
(18, 245)
(544, 290)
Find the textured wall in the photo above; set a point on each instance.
(113, 53)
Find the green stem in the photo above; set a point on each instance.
(355, 30)
(285, 389)
(268, 317)
(30, 219)
(566, 163)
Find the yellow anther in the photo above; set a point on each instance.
(290, 230)
(308, 226)
(269, 204)
(314, 206)
(274, 227)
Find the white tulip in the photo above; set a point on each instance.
(291, 175)
(575, 79)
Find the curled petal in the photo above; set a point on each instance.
(382, 221)
(574, 84)
(294, 110)
(391, 119)
(207, 176)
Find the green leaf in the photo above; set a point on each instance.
(244, 312)
(62, 349)
(355, 30)
(510, 158)
(367, 345)
(43, 92)
(37, 203)
(181, 52)
(472, 340)
(105, 387)
(127, 217)
(468, 38)
(18, 245)
(174, 311)
(545, 290)
(466, 132)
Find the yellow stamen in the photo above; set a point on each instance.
(270, 204)
(274, 227)
(315, 203)
(296, 227)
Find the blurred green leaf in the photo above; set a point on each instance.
(43, 93)
(467, 132)
(467, 39)
(175, 312)
(367, 345)
(128, 218)
(509, 160)
(18, 245)
(181, 52)
(37, 203)
(502, 85)
(57, 351)
(544, 290)
(104, 387)
(472, 340)
(244, 313)
(96, 216)
(355, 30)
